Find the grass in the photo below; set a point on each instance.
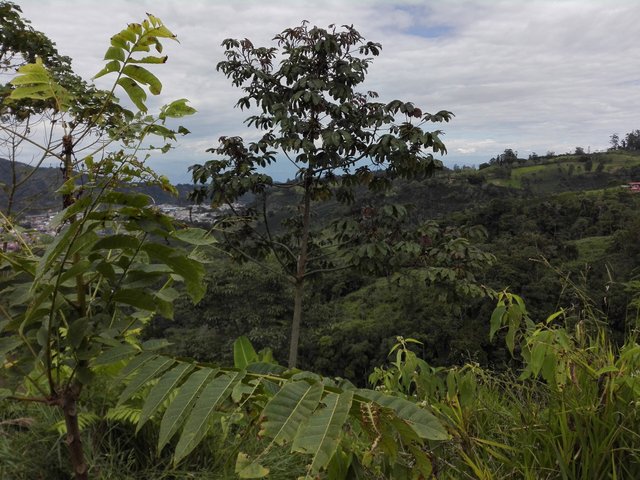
(571, 413)
(31, 449)
(592, 249)
(545, 175)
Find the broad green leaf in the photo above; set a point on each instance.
(161, 391)
(149, 59)
(115, 53)
(553, 316)
(135, 364)
(77, 207)
(116, 354)
(496, 320)
(129, 34)
(137, 200)
(34, 81)
(191, 271)
(76, 269)
(135, 298)
(181, 406)
(77, 331)
(288, 409)
(198, 423)
(321, 434)
(7, 344)
(155, 344)
(243, 353)
(112, 66)
(134, 92)
(510, 338)
(148, 371)
(245, 468)
(117, 241)
(241, 389)
(119, 41)
(194, 236)
(59, 244)
(177, 109)
(144, 76)
(424, 423)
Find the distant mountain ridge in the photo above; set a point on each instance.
(37, 194)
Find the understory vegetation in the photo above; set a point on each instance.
(379, 316)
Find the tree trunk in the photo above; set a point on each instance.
(69, 400)
(69, 405)
(300, 273)
(295, 324)
(67, 169)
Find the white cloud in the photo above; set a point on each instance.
(531, 75)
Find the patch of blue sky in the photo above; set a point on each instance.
(422, 24)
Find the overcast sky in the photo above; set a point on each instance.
(531, 75)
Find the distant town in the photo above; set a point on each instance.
(41, 223)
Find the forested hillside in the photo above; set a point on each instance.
(562, 234)
(32, 190)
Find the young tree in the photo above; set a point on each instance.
(73, 306)
(614, 140)
(339, 140)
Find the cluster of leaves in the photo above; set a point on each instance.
(342, 429)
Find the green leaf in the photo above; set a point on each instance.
(34, 81)
(177, 109)
(135, 298)
(243, 353)
(135, 364)
(284, 413)
(76, 269)
(496, 320)
(198, 423)
(113, 355)
(424, 423)
(181, 406)
(194, 236)
(161, 391)
(144, 76)
(149, 371)
(149, 59)
(134, 92)
(510, 338)
(191, 271)
(77, 331)
(7, 344)
(155, 344)
(245, 468)
(59, 244)
(112, 66)
(320, 436)
(115, 53)
(136, 200)
(117, 241)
